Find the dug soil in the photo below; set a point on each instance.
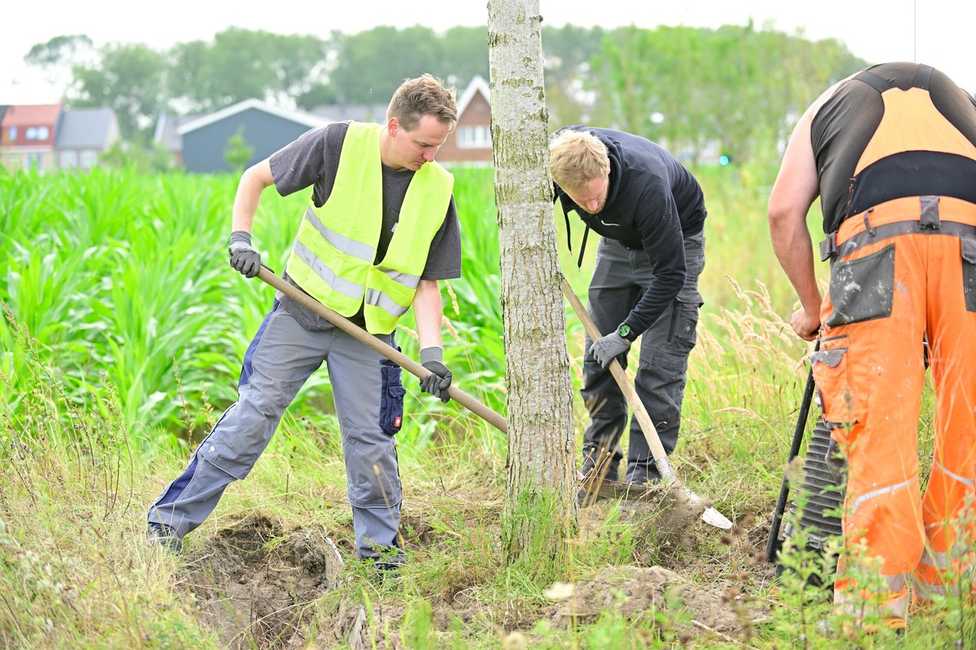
(255, 583)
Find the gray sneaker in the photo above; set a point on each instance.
(165, 536)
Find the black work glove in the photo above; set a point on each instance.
(243, 258)
(439, 380)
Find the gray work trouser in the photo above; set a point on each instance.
(369, 402)
(620, 277)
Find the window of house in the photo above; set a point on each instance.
(42, 133)
(474, 137)
(12, 133)
(69, 159)
(31, 133)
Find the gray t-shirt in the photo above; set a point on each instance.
(313, 161)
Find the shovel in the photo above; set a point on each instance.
(464, 399)
(709, 515)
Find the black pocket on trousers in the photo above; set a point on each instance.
(862, 289)
(391, 399)
(968, 247)
(683, 331)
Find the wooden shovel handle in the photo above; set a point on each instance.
(623, 381)
(464, 399)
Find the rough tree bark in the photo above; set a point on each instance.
(541, 504)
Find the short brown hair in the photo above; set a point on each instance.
(424, 95)
(577, 157)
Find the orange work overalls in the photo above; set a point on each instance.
(904, 270)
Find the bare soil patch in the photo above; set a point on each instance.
(255, 582)
(637, 592)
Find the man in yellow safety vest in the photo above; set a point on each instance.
(380, 231)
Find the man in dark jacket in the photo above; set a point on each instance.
(650, 212)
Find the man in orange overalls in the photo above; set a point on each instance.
(892, 153)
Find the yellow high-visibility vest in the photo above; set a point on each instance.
(332, 256)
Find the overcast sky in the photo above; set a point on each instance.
(937, 32)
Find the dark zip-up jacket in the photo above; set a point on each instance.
(653, 203)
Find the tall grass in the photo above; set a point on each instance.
(122, 281)
(121, 338)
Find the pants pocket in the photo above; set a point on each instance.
(391, 398)
(830, 374)
(683, 331)
(862, 289)
(968, 250)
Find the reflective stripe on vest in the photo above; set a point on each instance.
(349, 246)
(334, 252)
(326, 274)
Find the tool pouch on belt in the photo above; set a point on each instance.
(391, 399)
(832, 376)
(862, 289)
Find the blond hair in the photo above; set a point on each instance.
(423, 95)
(577, 157)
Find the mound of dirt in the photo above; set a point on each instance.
(255, 582)
(637, 591)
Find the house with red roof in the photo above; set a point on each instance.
(470, 142)
(49, 136)
(27, 136)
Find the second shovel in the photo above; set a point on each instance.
(709, 515)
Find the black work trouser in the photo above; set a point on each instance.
(620, 277)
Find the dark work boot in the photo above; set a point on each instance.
(164, 536)
(391, 564)
(642, 471)
(386, 566)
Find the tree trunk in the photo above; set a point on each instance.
(541, 504)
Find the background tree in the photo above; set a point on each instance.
(693, 89)
(59, 50)
(464, 55)
(371, 64)
(238, 152)
(568, 51)
(128, 79)
(242, 64)
(736, 89)
(56, 57)
(541, 502)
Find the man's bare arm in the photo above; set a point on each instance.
(795, 189)
(253, 181)
(428, 312)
